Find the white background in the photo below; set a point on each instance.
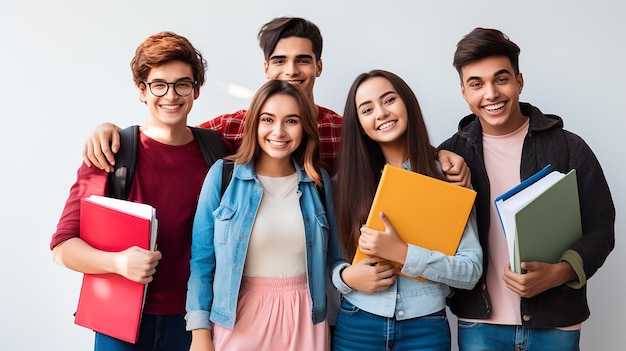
(66, 69)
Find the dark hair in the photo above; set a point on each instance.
(164, 47)
(287, 27)
(307, 154)
(361, 160)
(485, 42)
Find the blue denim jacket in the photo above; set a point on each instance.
(221, 232)
(410, 298)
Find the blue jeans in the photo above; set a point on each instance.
(359, 330)
(156, 333)
(494, 337)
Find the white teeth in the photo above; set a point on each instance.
(494, 107)
(385, 125)
(277, 143)
(169, 107)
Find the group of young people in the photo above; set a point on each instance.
(263, 263)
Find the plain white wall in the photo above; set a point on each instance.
(66, 69)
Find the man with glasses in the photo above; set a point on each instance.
(169, 172)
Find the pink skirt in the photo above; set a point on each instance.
(273, 314)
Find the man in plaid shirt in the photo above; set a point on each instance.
(292, 48)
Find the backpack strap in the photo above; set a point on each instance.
(320, 191)
(227, 174)
(211, 144)
(124, 170)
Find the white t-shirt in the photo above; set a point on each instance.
(277, 241)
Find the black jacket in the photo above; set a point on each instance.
(546, 143)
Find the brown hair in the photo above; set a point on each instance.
(307, 154)
(361, 159)
(161, 48)
(485, 42)
(287, 27)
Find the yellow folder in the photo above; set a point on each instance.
(424, 211)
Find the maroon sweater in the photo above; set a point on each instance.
(168, 178)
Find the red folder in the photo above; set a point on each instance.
(109, 303)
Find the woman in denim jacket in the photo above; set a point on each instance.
(260, 251)
(380, 310)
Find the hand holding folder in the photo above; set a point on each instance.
(424, 211)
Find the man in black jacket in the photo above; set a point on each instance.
(504, 142)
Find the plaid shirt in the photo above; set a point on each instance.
(230, 127)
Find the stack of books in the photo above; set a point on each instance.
(540, 217)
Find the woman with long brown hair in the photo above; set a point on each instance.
(383, 124)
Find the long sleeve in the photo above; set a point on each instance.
(459, 271)
(202, 264)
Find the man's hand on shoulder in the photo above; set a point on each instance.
(101, 146)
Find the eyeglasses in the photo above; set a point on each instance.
(182, 87)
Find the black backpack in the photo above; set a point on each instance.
(210, 143)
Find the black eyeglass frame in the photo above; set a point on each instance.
(167, 89)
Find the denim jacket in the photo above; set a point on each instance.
(221, 232)
(411, 298)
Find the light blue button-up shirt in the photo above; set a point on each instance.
(410, 298)
(221, 232)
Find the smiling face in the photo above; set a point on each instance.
(279, 130)
(382, 113)
(293, 61)
(491, 89)
(171, 109)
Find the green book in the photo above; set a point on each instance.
(540, 217)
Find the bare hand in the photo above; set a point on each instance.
(368, 276)
(201, 340)
(137, 264)
(455, 169)
(97, 151)
(538, 278)
(386, 245)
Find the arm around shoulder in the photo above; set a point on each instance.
(454, 168)
(101, 146)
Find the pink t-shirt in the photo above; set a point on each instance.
(502, 155)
